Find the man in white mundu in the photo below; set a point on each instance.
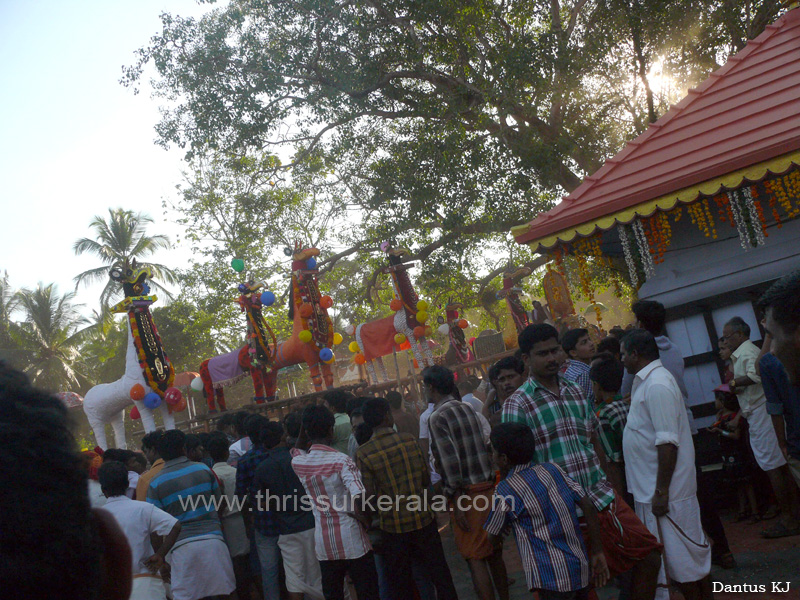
(659, 466)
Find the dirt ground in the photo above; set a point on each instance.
(760, 562)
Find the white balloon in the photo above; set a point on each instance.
(350, 330)
(197, 384)
(444, 329)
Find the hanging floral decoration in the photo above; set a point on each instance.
(646, 240)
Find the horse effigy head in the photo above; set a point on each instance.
(133, 279)
(303, 259)
(250, 298)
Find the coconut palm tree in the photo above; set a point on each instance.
(50, 337)
(118, 240)
(8, 304)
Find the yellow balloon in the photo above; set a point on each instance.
(422, 305)
(305, 336)
(353, 347)
(422, 316)
(331, 361)
(399, 338)
(337, 338)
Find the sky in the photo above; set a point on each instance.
(73, 140)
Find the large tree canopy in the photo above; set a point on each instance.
(437, 123)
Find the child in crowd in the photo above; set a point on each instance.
(538, 501)
(737, 466)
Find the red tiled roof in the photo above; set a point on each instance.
(745, 113)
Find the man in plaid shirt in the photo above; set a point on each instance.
(566, 433)
(612, 414)
(468, 478)
(392, 466)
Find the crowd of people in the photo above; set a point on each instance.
(584, 452)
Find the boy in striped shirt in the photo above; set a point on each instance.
(539, 502)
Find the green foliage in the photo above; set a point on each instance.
(119, 240)
(186, 333)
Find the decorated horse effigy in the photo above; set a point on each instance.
(405, 329)
(147, 381)
(312, 337)
(453, 325)
(254, 358)
(517, 315)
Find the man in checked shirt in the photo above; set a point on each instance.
(468, 479)
(566, 433)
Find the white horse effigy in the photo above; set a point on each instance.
(148, 376)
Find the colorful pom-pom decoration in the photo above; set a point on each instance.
(237, 264)
(305, 336)
(311, 263)
(137, 392)
(419, 331)
(152, 400)
(172, 396)
(399, 338)
(360, 359)
(353, 347)
(396, 304)
(463, 323)
(197, 384)
(306, 310)
(326, 302)
(325, 354)
(422, 316)
(267, 298)
(135, 414)
(337, 339)
(422, 305)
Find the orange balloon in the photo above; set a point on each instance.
(396, 304)
(326, 302)
(137, 392)
(463, 323)
(360, 359)
(306, 310)
(419, 331)
(405, 345)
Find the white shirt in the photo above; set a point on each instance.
(238, 449)
(744, 360)
(657, 416)
(137, 521)
(473, 402)
(227, 475)
(425, 434)
(96, 497)
(133, 479)
(486, 429)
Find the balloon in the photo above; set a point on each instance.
(353, 347)
(419, 331)
(172, 396)
(137, 392)
(399, 338)
(443, 329)
(325, 354)
(422, 305)
(337, 339)
(152, 400)
(396, 304)
(305, 336)
(359, 359)
(326, 302)
(267, 298)
(197, 384)
(135, 414)
(306, 310)
(422, 316)
(405, 345)
(311, 263)
(238, 265)
(471, 341)
(350, 330)
(180, 406)
(463, 323)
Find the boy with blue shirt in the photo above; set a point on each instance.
(539, 502)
